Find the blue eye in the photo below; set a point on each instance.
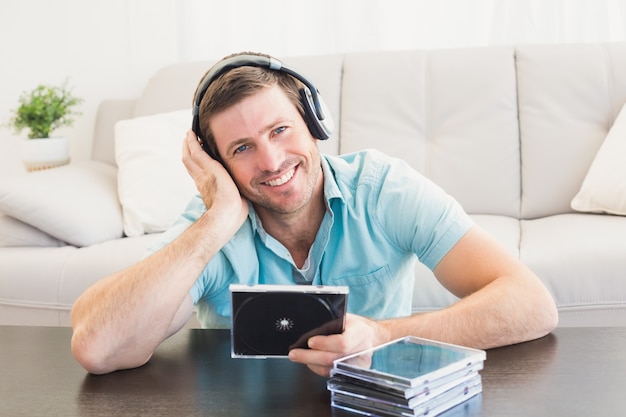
(241, 148)
(279, 130)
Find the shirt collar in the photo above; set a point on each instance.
(331, 189)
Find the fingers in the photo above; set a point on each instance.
(190, 142)
(193, 155)
(359, 334)
(318, 361)
(188, 150)
(198, 163)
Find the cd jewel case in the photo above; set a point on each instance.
(406, 377)
(270, 320)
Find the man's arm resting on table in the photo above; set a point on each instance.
(502, 302)
(120, 320)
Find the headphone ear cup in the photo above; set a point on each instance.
(319, 128)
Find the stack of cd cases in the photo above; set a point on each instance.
(406, 377)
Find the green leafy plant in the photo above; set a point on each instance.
(45, 109)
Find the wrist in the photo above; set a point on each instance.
(382, 331)
(206, 236)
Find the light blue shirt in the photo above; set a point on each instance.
(381, 217)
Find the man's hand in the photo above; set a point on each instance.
(212, 180)
(359, 334)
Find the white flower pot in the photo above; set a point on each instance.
(38, 154)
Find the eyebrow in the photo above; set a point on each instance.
(241, 141)
(236, 143)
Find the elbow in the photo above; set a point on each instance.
(88, 355)
(552, 317)
(547, 317)
(86, 348)
(93, 349)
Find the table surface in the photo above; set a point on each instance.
(574, 371)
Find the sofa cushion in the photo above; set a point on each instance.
(457, 127)
(604, 187)
(16, 233)
(76, 203)
(153, 184)
(580, 258)
(42, 293)
(568, 97)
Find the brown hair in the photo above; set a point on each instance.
(237, 84)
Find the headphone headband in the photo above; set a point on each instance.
(320, 124)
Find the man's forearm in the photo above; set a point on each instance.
(120, 320)
(508, 310)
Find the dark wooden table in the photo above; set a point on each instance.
(573, 372)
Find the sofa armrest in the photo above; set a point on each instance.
(109, 113)
(76, 203)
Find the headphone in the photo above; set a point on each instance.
(316, 114)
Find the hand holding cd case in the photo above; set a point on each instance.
(270, 320)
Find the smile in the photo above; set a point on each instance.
(281, 180)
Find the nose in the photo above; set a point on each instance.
(270, 156)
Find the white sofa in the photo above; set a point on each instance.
(511, 132)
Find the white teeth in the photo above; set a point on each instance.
(281, 180)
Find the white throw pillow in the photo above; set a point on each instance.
(16, 233)
(604, 187)
(153, 184)
(75, 203)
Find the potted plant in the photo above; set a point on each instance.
(41, 111)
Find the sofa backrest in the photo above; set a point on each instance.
(506, 130)
(569, 97)
(452, 114)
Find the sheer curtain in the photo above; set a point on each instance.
(211, 29)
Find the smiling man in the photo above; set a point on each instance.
(272, 210)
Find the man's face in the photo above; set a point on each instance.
(269, 152)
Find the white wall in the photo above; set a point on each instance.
(106, 48)
(284, 28)
(109, 48)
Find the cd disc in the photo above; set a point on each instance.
(273, 323)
